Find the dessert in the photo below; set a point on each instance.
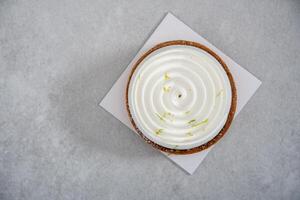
(180, 97)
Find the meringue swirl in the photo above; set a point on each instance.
(179, 97)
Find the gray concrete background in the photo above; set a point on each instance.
(58, 58)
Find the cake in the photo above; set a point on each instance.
(180, 97)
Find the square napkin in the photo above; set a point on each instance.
(172, 28)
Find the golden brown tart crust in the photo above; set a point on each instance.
(231, 111)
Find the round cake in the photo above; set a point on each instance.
(180, 97)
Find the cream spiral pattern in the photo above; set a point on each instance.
(179, 97)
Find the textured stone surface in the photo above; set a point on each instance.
(58, 58)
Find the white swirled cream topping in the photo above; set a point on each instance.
(179, 97)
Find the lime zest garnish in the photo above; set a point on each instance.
(166, 76)
(158, 131)
(160, 117)
(190, 134)
(200, 123)
(166, 88)
(166, 114)
(220, 92)
(191, 121)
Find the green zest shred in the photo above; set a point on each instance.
(200, 123)
(192, 121)
(220, 92)
(160, 117)
(158, 131)
(190, 134)
(166, 88)
(166, 76)
(166, 114)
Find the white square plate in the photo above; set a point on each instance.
(172, 28)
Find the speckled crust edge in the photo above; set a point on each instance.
(231, 111)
